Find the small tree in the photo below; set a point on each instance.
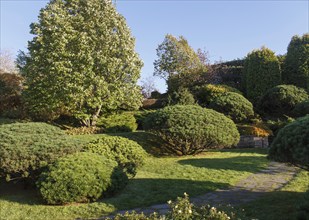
(296, 64)
(81, 62)
(262, 72)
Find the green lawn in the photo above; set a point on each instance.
(159, 180)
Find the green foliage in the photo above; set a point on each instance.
(140, 117)
(80, 177)
(189, 129)
(292, 143)
(27, 147)
(303, 209)
(10, 94)
(128, 154)
(301, 109)
(207, 93)
(81, 62)
(181, 209)
(296, 65)
(122, 122)
(261, 72)
(233, 105)
(181, 97)
(281, 100)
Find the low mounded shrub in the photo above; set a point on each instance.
(128, 154)
(207, 93)
(234, 106)
(301, 109)
(27, 147)
(140, 117)
(80, 177)
(123, 122)
(190, 129)
(181, 97)
(281, 100)
(254, 130)
(292, 143)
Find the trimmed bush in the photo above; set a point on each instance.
(281, 100)
(27, 147)
(128, 154)
(81, 177)
(124, 122)
(189, 129)
(140, 117)
(301, 109)
(207, 93)
(181, 97)
(262, 72)
(296, 65)
(292, 143)
(234, 106)
(255, 130)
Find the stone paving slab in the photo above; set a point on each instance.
(274, 177)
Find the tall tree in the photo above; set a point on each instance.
(177, 59)
(262, 72)
(296, 64)
(81, 61)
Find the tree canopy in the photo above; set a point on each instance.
(81, 61)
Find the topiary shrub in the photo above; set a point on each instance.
(27, 147)
(301, 109)
(128, 154)
(292, 143)
(207, 93)
(181, 97)
(124, 122)
(261, 72)
(80, 177)
(281, 100)
(140, 117)
(233, 105)
(189, 129)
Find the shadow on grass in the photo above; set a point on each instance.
(239, 163)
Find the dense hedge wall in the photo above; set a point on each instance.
(190, 129)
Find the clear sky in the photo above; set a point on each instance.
(226, 29)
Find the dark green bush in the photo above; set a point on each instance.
(292, 143)
(27, 147)
(303, 208)
(140, 117)
(234, 106)
(189, 129)
(123, 122)
(80, 177)
(262, 72)
(301, 109)
(181, 97)
(281, 100)
(128, 154)
(207, 93)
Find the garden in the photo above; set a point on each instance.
(81, 140)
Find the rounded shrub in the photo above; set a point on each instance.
(182, 96)
(233, 105)
(207, 93)
(27, 147)
(128, 154)
(292, 143)
(281, 100)
(80, 177)
(123, 122)
(190, 129)
(301, 109)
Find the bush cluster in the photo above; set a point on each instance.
(282, 99)
(80, 177)
(123, 122)
(255, 130)
(234, 106)
(292, 143)
(27, 147)
(128, 154)
(182, 96)
(301, 109)
(189, 129)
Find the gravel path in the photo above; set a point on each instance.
(274, 177)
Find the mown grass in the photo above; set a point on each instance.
(281, 204)
(159, 180)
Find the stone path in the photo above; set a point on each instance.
(274, 177)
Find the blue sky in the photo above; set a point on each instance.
(226, 29)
